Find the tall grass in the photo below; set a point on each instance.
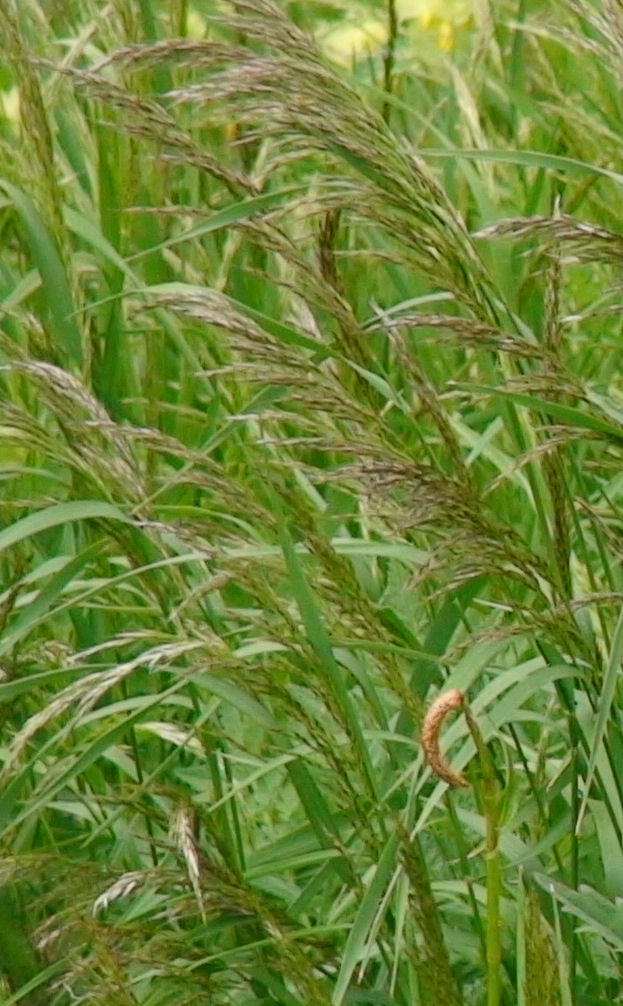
(312, 423)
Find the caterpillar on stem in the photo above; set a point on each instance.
(431, 730)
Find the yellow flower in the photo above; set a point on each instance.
(9, 105)
(446, 36)
(436, 18)
(434, 12)
(348, 42)
(431, 25)
(196, 24)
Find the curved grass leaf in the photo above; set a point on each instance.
(59, 304)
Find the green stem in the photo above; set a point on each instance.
(390, 55)
(489, 794)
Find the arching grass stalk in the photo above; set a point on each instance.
(486, 786)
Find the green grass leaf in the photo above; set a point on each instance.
(58, 301)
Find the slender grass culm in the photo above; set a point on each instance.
(489, 800)
(312, 421)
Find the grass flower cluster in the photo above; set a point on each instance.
(310, 497)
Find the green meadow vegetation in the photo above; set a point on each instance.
(311, 420)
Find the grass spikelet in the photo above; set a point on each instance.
(183, 833)
(123, 887)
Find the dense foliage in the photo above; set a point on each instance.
(311, 416)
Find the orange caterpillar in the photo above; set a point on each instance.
(431, 729)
